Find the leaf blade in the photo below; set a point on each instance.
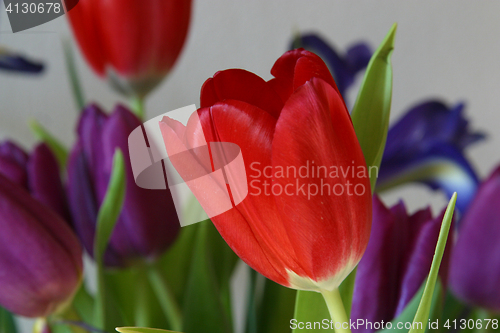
(106, 221)
(371, 111)
(424, 307)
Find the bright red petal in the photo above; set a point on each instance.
(241, 85)
(85, 26)
(296, 67)
(328, 231)
(260, 225)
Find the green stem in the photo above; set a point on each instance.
(137, 105)
(74, 78)
(100, 306)
(166, 298)
(142, 311)
(337, 310)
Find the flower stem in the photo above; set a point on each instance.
(337, 310)
(137, 106)
(166, 297)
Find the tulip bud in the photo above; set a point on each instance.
(148, 222)
(40, 257)
(133, 43)
(304, 224)
(475, 261)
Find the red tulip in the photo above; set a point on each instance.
(134, 43)
(302, 231)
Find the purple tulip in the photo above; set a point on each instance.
(475, 261)
(40, 256)
(148, 223)
(396, 262)
(37, 173)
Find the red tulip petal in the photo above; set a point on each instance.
(85, 23)
(296, 67)
(241, 85)
(329, 232)
(252, 130)
(174, 17)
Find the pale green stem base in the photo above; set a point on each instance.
(137, 106)
(337, 310)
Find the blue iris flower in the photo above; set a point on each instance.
(427, 145)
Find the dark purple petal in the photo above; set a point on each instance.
(13, 162)
(396, 262)
(475, 261)
(40, 257)
(377, 279)
(81, 197)
(424, 234)
(148, 222)
(45, 181)
(89, 130)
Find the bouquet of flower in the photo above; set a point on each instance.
(284, 175)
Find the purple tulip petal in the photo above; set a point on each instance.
(13, 161)
(475, 261)
(90, 139)
(40, 257)
(45, 181)
(396, 262)
(377, 279)
(148, 222)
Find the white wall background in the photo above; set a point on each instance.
(448, 49)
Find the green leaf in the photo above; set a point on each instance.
(57, 148)
(83, 303)
(370, 115)
(424, 307)
(176, 262)
(141, 330)
(7, 323)
(120, 301)
(410, 310)
(310, 306)
(203, 305)
(106, 220)
(74, 79)
(166, 298)
(276, 308)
